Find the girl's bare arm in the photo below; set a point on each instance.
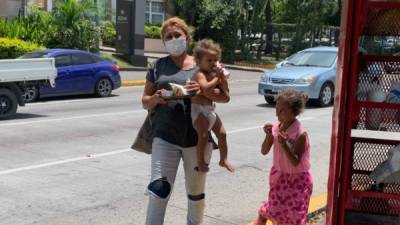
(268, 140)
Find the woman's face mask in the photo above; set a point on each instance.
(176, 47)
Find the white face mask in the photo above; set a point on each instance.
(176, 47)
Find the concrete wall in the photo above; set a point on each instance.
(9, 8)
(154, 45)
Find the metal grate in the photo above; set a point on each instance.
(382, 22)
(377, 205)
(281, 81)
(366, 156)
(377, 76)
(362, 182)
(379, 119)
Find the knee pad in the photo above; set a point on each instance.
(197, 197)
(160, 187)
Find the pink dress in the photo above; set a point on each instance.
(290, 186)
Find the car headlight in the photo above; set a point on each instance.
(305, 80)
(265, 78)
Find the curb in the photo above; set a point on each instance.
(316, 206)
(232, 67)
(129, 83)
(243, 68)
(133, 69)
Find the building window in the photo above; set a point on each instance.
(155, 11)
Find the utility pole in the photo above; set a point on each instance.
(22, 11)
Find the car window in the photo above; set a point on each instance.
(82, 59)
(309, 58)
(34, 55)
(63, 60)
(98, 59)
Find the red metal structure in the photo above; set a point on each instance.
(365, 128)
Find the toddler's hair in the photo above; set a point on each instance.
(296, 100)
(204, 46)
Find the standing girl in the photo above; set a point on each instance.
(290, 180)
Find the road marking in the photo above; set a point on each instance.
(100, 154)
(4, 172)
(73, 118)
(259, 127)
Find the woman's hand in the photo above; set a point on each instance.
(156, 98)
(193, 86)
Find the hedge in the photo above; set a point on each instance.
(13, 48)
(152, 31)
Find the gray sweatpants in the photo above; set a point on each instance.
(165, 160)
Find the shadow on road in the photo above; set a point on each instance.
(71, 97)
(23, 116)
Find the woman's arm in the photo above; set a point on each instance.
(217, 95)
(151, 97)
(295, 151)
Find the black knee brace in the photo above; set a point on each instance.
(197, 197)
(160, 187)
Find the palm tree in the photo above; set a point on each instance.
(70, 11)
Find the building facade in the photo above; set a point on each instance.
(156, 10)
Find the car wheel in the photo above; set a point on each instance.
(326, 95)
(103, 87)
(8, 103)
(31, 94)
(270, 100)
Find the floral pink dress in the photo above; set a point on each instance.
(290, 186)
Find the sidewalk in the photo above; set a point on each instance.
(152, 56)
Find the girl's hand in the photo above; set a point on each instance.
(193, 86)
(268, 128)
(282, 137)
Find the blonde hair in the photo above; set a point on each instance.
(178, 22)
(295, 99)
(204, 46)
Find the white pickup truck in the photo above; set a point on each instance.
(16, 75)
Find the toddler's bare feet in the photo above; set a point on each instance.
(260, 221)
(225, 163)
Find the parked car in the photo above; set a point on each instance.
(78, 72)
(283, 62)
(312, 71)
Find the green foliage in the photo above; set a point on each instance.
(238, 24)
(212, 19)
(13, 48)
(73, 27)
(108, 33)
(152, 31)
(68, 26)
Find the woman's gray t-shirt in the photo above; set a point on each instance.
(172, 122)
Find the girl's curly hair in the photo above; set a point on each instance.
(296, 100)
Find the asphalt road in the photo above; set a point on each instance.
(67, 160)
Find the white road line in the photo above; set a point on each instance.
(54, 163)
(4, 172)
(73, 118)
(259, 127)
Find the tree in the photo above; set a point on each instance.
(268, 28)
(74, 29)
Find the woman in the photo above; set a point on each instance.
(173, 134)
